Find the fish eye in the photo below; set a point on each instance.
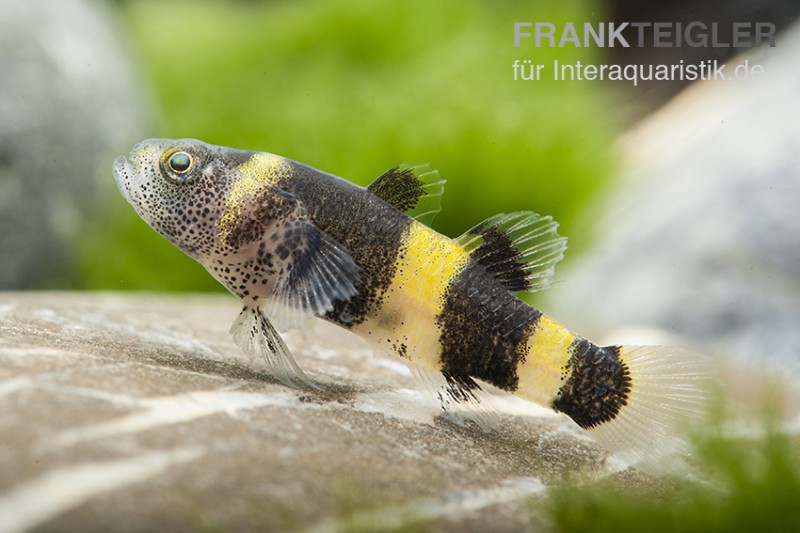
(180, 162)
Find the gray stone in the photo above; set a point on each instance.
(138, 413)
(69, 104)
(702, 238)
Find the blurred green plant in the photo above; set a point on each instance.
(355, 87)
(745, 485)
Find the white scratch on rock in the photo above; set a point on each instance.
(185, 372)
(322, 353)
(6, 309)
(393, 365)
(11, 386)
(512, 405)
(38, 500)
(156, 334)
(120, 400)
(173, 410)
(38, 351)
(455, 504)
(407, 404)
(171, 338)
(615, 464)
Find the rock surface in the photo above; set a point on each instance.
(702, 239)
(138, 413)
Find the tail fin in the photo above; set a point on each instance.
(669, 392)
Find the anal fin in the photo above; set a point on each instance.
(460, 397)
(415, 190)
(520, 249)
(254, 334)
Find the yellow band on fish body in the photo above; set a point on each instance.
(542, 373)
(262, 169)
(406, 323)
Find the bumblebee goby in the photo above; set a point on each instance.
(293, 242)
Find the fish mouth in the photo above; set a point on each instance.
(122, 175)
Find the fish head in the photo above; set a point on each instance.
(180, 188)
(231, 211)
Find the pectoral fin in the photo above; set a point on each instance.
(316, 271)
(310, 269)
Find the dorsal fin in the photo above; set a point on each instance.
(520, 249)
(416, 191)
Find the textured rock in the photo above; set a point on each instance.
(69, 105)
(702, 239)
(137, 413)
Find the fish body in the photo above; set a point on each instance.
(292, 241)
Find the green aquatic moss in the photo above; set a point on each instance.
(742, 485)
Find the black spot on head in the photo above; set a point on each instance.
(282, 251)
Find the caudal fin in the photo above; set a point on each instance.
(669, 391)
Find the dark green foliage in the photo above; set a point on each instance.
(747, 485)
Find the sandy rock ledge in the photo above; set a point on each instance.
(137, 412)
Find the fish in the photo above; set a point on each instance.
(293, 243)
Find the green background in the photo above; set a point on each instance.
(355, 87)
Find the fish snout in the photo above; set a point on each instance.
(123, 173)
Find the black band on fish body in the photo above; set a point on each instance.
(372, 232)
(484, 329)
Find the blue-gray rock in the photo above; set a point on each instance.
(702, 239)
(69, 104)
